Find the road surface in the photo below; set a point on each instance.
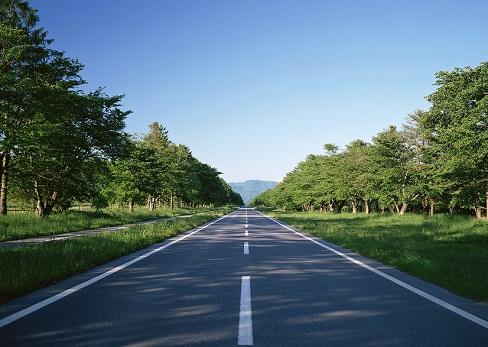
(244, 279)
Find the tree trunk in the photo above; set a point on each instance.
(40, 207)
(366, 207)
(151, 203)
(40, 201)
(47, 207)
(43, 208)
(403, 209)
(487, 205)
(477, 207)
(478, 213)
(131, 205)
(396, 207)
(4, 182)
(431, 213)
(354, 206)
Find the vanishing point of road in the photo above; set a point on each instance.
(244, 279)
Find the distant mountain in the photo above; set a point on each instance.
(250, 189)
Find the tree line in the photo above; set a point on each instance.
(60, 144)
(156, 172)
(437, 161)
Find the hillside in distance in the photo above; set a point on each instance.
(250, 189)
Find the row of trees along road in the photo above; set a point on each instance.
(156, 171)
(437, 161)
(59, 144)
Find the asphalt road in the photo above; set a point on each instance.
(243, 279)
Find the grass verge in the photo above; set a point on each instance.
(28, 268)
(448, 250)
(16, 226)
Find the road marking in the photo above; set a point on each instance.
(246, 248)
(245, 316)
(413, 289)
(26, 311)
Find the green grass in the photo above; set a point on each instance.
(15, 226)
(448, 250)
(28, 268)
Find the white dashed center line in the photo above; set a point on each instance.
(245, 316)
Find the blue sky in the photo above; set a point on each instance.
(254, 86)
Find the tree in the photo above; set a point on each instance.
(457, 128)
(32, 77)
(49, 130)
(396, 176)
(359, 175)
(158, 171)
(133, 177)
(164, 182)
(56, 153)
(431, 187)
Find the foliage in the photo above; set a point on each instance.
(158, 172)
(437, 161)
(52, 133)
(59, 144)
(456, 127)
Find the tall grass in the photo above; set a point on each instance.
(448, 250)
(16, 226)
(28, 268)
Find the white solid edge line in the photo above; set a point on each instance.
(245, 336)
(413, 289)
(28, 310)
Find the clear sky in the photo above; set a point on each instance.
(254, 86)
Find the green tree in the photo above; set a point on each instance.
(332, 181)
(298, 189)
(168, 160)
(32, 78)
(431, 186)
(55, 161)
(457, 128)
(133, 176)
(396, 181)
(359, 176)
(183, 179)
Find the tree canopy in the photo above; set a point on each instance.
(60, 144)
(437, 161)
